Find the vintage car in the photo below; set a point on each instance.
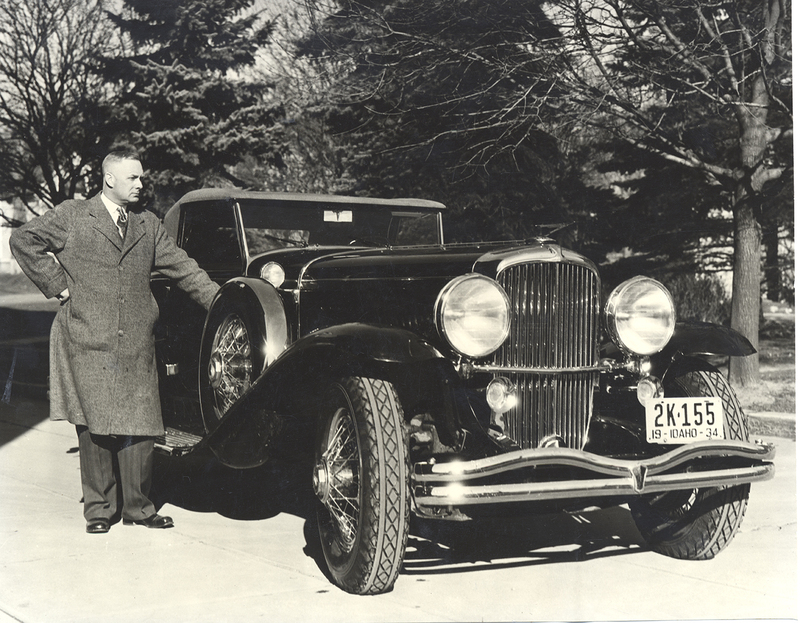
(447, 380)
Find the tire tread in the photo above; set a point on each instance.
(381, 544)
(716, 514)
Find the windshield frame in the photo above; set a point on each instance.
(398, 209)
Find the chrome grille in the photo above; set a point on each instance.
(555, 311)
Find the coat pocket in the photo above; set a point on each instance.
(86, 328)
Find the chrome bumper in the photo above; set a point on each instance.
(452, 483)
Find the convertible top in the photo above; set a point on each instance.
(216, 194)
(211, 194)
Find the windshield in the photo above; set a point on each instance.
(274, 226)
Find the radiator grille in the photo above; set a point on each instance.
(555, 311)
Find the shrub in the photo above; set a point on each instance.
(700, 297)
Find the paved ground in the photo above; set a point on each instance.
(244, 549)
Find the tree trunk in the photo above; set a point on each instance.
(772, 269)
(746, 303)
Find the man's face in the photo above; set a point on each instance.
(123, 181)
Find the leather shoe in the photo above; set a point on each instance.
(154, 521)
(97, 526)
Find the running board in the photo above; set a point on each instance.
(176, 442)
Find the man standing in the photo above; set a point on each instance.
(103, 376)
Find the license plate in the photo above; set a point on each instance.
(684, 420)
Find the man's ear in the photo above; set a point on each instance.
(108, 178)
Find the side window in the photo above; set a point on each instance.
(209, 235)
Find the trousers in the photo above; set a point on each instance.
(115, 469)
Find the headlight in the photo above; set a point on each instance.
(273, 273)
(473, 315)
(640, 316)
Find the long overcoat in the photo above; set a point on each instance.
(102, 350)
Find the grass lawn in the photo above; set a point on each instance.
(777, 390)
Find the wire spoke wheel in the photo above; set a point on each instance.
(361, 481)
(230, 366)
(337, 479)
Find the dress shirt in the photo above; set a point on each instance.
(112, 211)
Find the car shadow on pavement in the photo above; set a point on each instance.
(198, 482)
(436, 546)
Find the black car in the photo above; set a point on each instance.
(447, 380)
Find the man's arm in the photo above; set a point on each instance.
(173, 262)
(32, 246)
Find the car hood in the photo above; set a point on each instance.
(436, 262)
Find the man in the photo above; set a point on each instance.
(103, 376)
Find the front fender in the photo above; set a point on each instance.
(264, 302)
(696, 338)
(289, 387)
(706, 338)
(367, 343)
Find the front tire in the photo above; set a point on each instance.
(696, 524)
(361, 479)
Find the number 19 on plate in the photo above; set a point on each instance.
(684, 420)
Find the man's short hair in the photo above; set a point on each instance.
(118, 155)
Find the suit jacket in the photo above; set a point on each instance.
(102, 351)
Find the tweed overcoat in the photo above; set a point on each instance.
(102, 349)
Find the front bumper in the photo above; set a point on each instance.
(700, 464)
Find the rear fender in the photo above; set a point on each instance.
(290, 386)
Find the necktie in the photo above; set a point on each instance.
(122, 221)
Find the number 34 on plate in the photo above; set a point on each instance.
(684, 420)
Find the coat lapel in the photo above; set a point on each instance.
(136, 229)
(103, 221)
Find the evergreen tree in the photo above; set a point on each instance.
(189, 104)
(446, 100)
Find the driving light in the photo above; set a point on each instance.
(648, 388)
(640, 316)
(273, 273)
(500, 395)
(473, 315)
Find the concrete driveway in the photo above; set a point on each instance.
(244, 549)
